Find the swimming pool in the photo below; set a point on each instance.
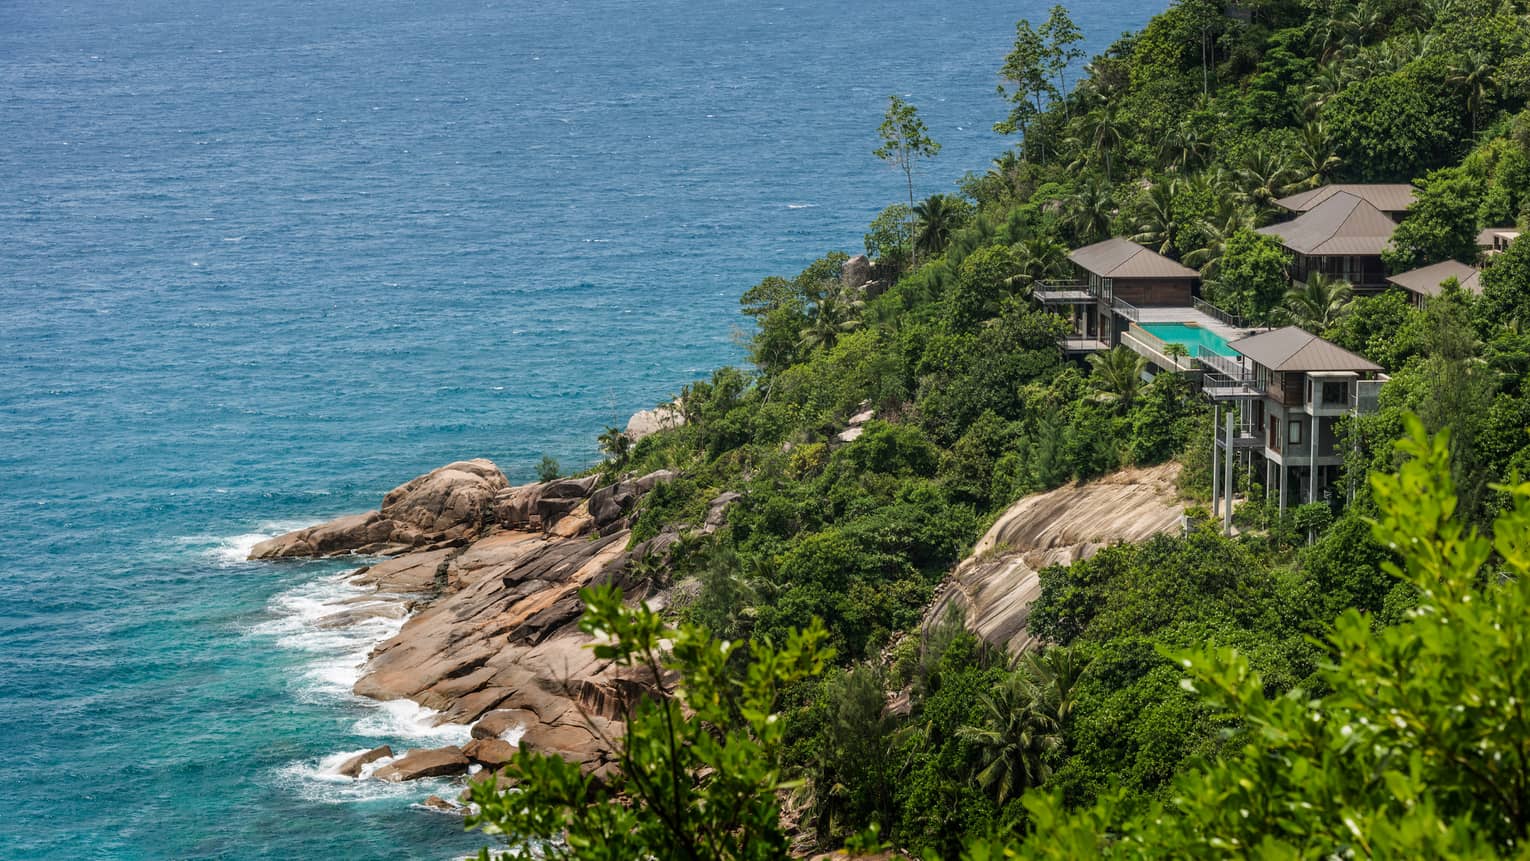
(1190, 335)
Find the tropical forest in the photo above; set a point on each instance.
(1341, 673)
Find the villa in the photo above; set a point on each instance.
(1426, 281)
(1279, 399)
(1341, 237)
(1277, 395)
(1495, 240)
(1392, 199)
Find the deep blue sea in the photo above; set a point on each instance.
(260, 262)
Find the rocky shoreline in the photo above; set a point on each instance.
(489, 575)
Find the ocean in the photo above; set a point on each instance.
(261, 262)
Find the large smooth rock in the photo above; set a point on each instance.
(500, 721)
(416, 764)
(491, 753)
(995, 587)
(855, 272)
(456, 499)
(448, 504)
(649, 422)
(412, 572)
(352, 767)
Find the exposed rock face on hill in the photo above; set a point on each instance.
(495, 642)
(448, 504)
(648, 422)
(997, 584)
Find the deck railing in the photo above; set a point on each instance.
(1216, 313)
(1126, 309)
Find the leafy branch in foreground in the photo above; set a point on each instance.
(700, 763)
(1421, 748)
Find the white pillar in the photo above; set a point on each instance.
(1285, 473)
(1216, 415)
(1228, 485)
(1313, 471)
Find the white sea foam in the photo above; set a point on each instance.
(318, 780)
(408, 719)
(802, 206)
(233, 549)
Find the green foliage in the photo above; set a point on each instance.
(547, 468)
(699, 764)
(1392, 128)
(1251, 278)
(1418, 749)
(1441, 224)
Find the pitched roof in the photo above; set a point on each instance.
(1393, 197)
(1426, 281)
(1295, 350)
(1487, 237)
(1122, 258)
(1341, 225)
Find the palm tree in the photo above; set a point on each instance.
(616, 444)
(1041, 258)
(1331, 77)
(1265, 175)
(1159, 228)
(1100, 132)
(1088, 211)
(1317, 304)
(937, 216)
(1475, 73)
(1056, 671)
(1116, 375)
(1315, 155)
(1184, 148)
(1229, 218)
(833, 315)
(1013, 739)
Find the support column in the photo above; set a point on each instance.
(1227, 518)
(1313, 471)
(1285, 473)
(1216, 475)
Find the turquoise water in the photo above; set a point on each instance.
(1193, 337)
(262, 262)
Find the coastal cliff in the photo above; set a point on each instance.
(489, 575)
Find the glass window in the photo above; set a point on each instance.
(1294, 433)
(1335, 393)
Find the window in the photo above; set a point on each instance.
(1335, 393)
(1294, 433)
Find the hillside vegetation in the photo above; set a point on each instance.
(1326, 648)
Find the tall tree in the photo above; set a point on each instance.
(1318, 303)
(1116, 375)
(1157, 225)
(1476, 75)
(905, 140)
(937, 216)
(1062, 38)
(1026, 70)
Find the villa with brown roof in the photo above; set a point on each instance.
(1393, 199)
(1342, 237)
(1290, 388)
(1119, 274)
(1426, 281)
(1495, 240)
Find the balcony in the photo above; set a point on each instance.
(1062, 293)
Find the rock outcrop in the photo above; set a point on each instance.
(352, 767)
(442, 762)
(453, 503)
(996, 585)
(492, 574)
(649, 422)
